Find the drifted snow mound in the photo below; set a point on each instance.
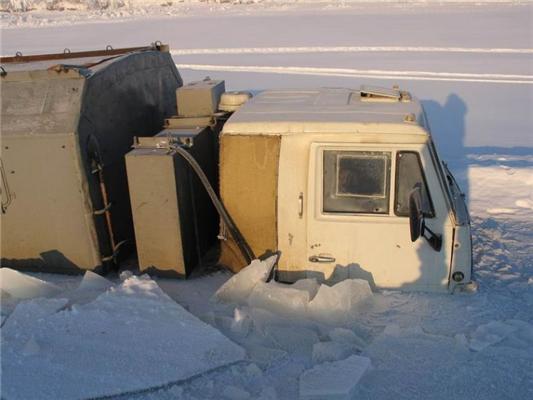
(333, 380)
(130, 338)
(21, 286)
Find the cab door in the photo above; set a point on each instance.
(358, 225)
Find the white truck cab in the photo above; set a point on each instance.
(345, 183)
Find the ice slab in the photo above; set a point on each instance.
(292, 339)
(346, 336)
(336, 304)
(90, 287)
(496, 331)
(331, 351)
(19, 325)
(23, 286)
(133, 331)
(280, 299)
(265, 357)
(239, 286)
(92, 281)
(310, 285)
(333, 380)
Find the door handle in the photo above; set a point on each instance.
(322, 258)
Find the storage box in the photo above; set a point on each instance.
(199, 99)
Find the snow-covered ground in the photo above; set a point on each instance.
(472, 67)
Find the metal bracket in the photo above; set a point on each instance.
(116, 250)
(5, 189)
(103, 210)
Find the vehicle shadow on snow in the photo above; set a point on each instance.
(447, 124)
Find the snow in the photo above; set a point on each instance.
(333, 380)
(478, 99)
(133, 331)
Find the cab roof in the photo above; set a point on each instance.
(330, 110)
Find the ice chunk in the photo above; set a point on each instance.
(241, 323)
(134, 329)
(239, 286)
(310, 285)
(336, 304)
(279, 299)
(346, 336)
(235, 393)
(92, 281)
(125, 275)
(293, 339)
(27, 314)
(23, 286)
(265, 357)
(333, 380)
(91, 286)
(489, 334)
(331, 351)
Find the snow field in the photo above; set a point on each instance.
(465, 346)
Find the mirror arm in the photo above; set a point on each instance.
(434, 240)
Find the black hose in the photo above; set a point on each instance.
(241, 242)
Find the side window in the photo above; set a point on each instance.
(408, 174)
(356, 181)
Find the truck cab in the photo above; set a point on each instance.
(345, 184)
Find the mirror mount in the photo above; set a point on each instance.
(417, 223)
(434, 239)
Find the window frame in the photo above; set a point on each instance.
(431, 213)
(389, 158)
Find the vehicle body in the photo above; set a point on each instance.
(324, 176)
(341, 182)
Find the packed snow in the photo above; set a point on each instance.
(471, 66)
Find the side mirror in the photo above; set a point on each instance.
(417, 224)
(416, 216)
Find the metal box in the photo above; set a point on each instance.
(175, 222)
(199, 99)
(67, 121)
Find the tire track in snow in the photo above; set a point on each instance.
(373, 74)
(348, 49)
